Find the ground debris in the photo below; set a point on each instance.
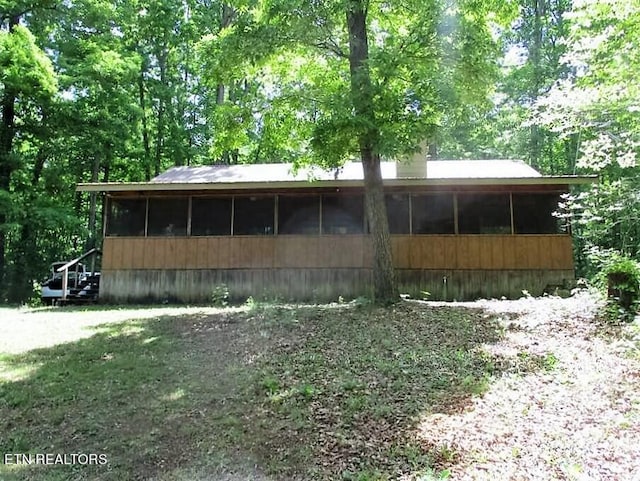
(577, 418)
(530, 389)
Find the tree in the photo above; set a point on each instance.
(532, 52)
(128, 103)
(27, 82)
(599, 106)
(144, 85)
(599, 102)
(361, 78)
(362, 92)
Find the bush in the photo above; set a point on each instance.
(220, 296)
(620, 279)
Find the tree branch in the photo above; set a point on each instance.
(331, 46)
(4, 16)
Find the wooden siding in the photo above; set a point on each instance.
(454, 252)
(186, 285)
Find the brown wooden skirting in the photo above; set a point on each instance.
(454, 252)
(197, 285)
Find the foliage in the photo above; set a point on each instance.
(533, 46)
(623, 275)
(188, 83)
(597, 107)
(35, 300)
(619, 278)
(220, 296)
(604, 218)
(24, 66)
(600, 102)
(362, 302)
(426, 62)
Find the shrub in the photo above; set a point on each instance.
(220, 296)
(620, 279)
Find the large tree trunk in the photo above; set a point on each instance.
(7, 134)
(384, 283)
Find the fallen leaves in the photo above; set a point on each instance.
(533, 389)
(578, 420)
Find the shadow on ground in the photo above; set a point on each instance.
(276, 392)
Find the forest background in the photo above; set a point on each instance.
(95, 90)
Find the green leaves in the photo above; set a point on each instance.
(601, 101)
(426, 62)
(24, 68)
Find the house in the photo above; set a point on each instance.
(459, 230)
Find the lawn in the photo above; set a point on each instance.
(530, 389)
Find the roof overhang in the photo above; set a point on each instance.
(221, 186)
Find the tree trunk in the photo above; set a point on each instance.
(385, 289)
(535, 52)
(93, 203)
(162, 64)
(145, 127)
(384, 284)
(20, 286)
(226, 19)
(23, 272)
(432, 153)
(7, 134)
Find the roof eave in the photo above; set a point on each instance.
(189, 186)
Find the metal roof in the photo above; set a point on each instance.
(247, 176)
(438, 169)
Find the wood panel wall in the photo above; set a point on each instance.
(319, 285)
(461, 252)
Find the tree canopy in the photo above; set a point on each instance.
(119, 91)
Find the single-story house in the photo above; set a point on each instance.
(459, 230)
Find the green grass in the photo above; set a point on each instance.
(329, 392)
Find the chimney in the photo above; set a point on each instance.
(414, 166)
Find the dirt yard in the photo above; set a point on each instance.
(534, 389)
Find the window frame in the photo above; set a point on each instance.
(211, 198)
(109, 217)
(167, 199)
(273, 214)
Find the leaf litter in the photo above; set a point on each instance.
(576, 419)
(530, 389)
